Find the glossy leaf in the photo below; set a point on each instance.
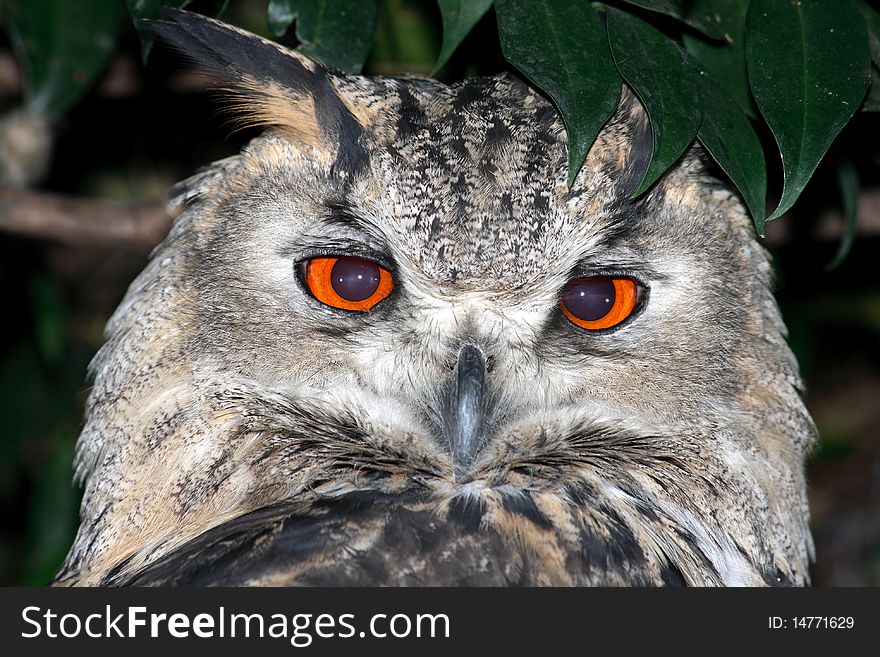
(143, 10)
(725, 59)
(406, 40)
(655, 68)
(337, 32)
(459, 18)
(848, 181)
(723, 129)
(280, 15)
(63, 47)
(53, 510)
(561, 46)
(50, 319)
(727, 134)
(687, 12)
(808, 70)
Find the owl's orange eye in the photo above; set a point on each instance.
(347, 282)
(599, 302)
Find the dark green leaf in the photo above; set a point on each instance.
(53, 510)
(561, 46)
(727, 16)
(808, 69)
(142, 10)
(872, 20)
(63, 46)
(459, 18)
(654, 66)
(725, 60)
(406, 41)
(28, 397)
(727, 134)
(50, 319)
(687, 12)
(37, 395)
(337, 32)
(673, 86)
(280, 15)
(848, 180)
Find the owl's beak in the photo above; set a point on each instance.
(465, 409)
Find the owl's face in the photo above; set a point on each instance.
(394, 290)
(458, 197)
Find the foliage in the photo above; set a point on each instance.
(330, 30)
(701, 67)
(809, 94)
(459, 18)
(64, 46)
(562, 48)
(40, 382)
(690, 63)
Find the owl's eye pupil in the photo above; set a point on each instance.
(354, 279)
(590, 299)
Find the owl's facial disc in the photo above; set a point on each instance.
(458, 404)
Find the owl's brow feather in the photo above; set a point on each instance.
(343, 214)
(625, 218)
(340, 230)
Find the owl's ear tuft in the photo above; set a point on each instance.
(625, 145)
(269, 85)
(639, 138)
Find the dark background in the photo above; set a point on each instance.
(141, 129)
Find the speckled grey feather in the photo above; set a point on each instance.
(241, 432)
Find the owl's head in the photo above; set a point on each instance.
(394, 291)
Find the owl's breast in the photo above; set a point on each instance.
(365, 539)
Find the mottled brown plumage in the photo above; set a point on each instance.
(241, 432)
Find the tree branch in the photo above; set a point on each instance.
(81, 221)
(85, 222)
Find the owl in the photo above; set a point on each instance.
(388, 344)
